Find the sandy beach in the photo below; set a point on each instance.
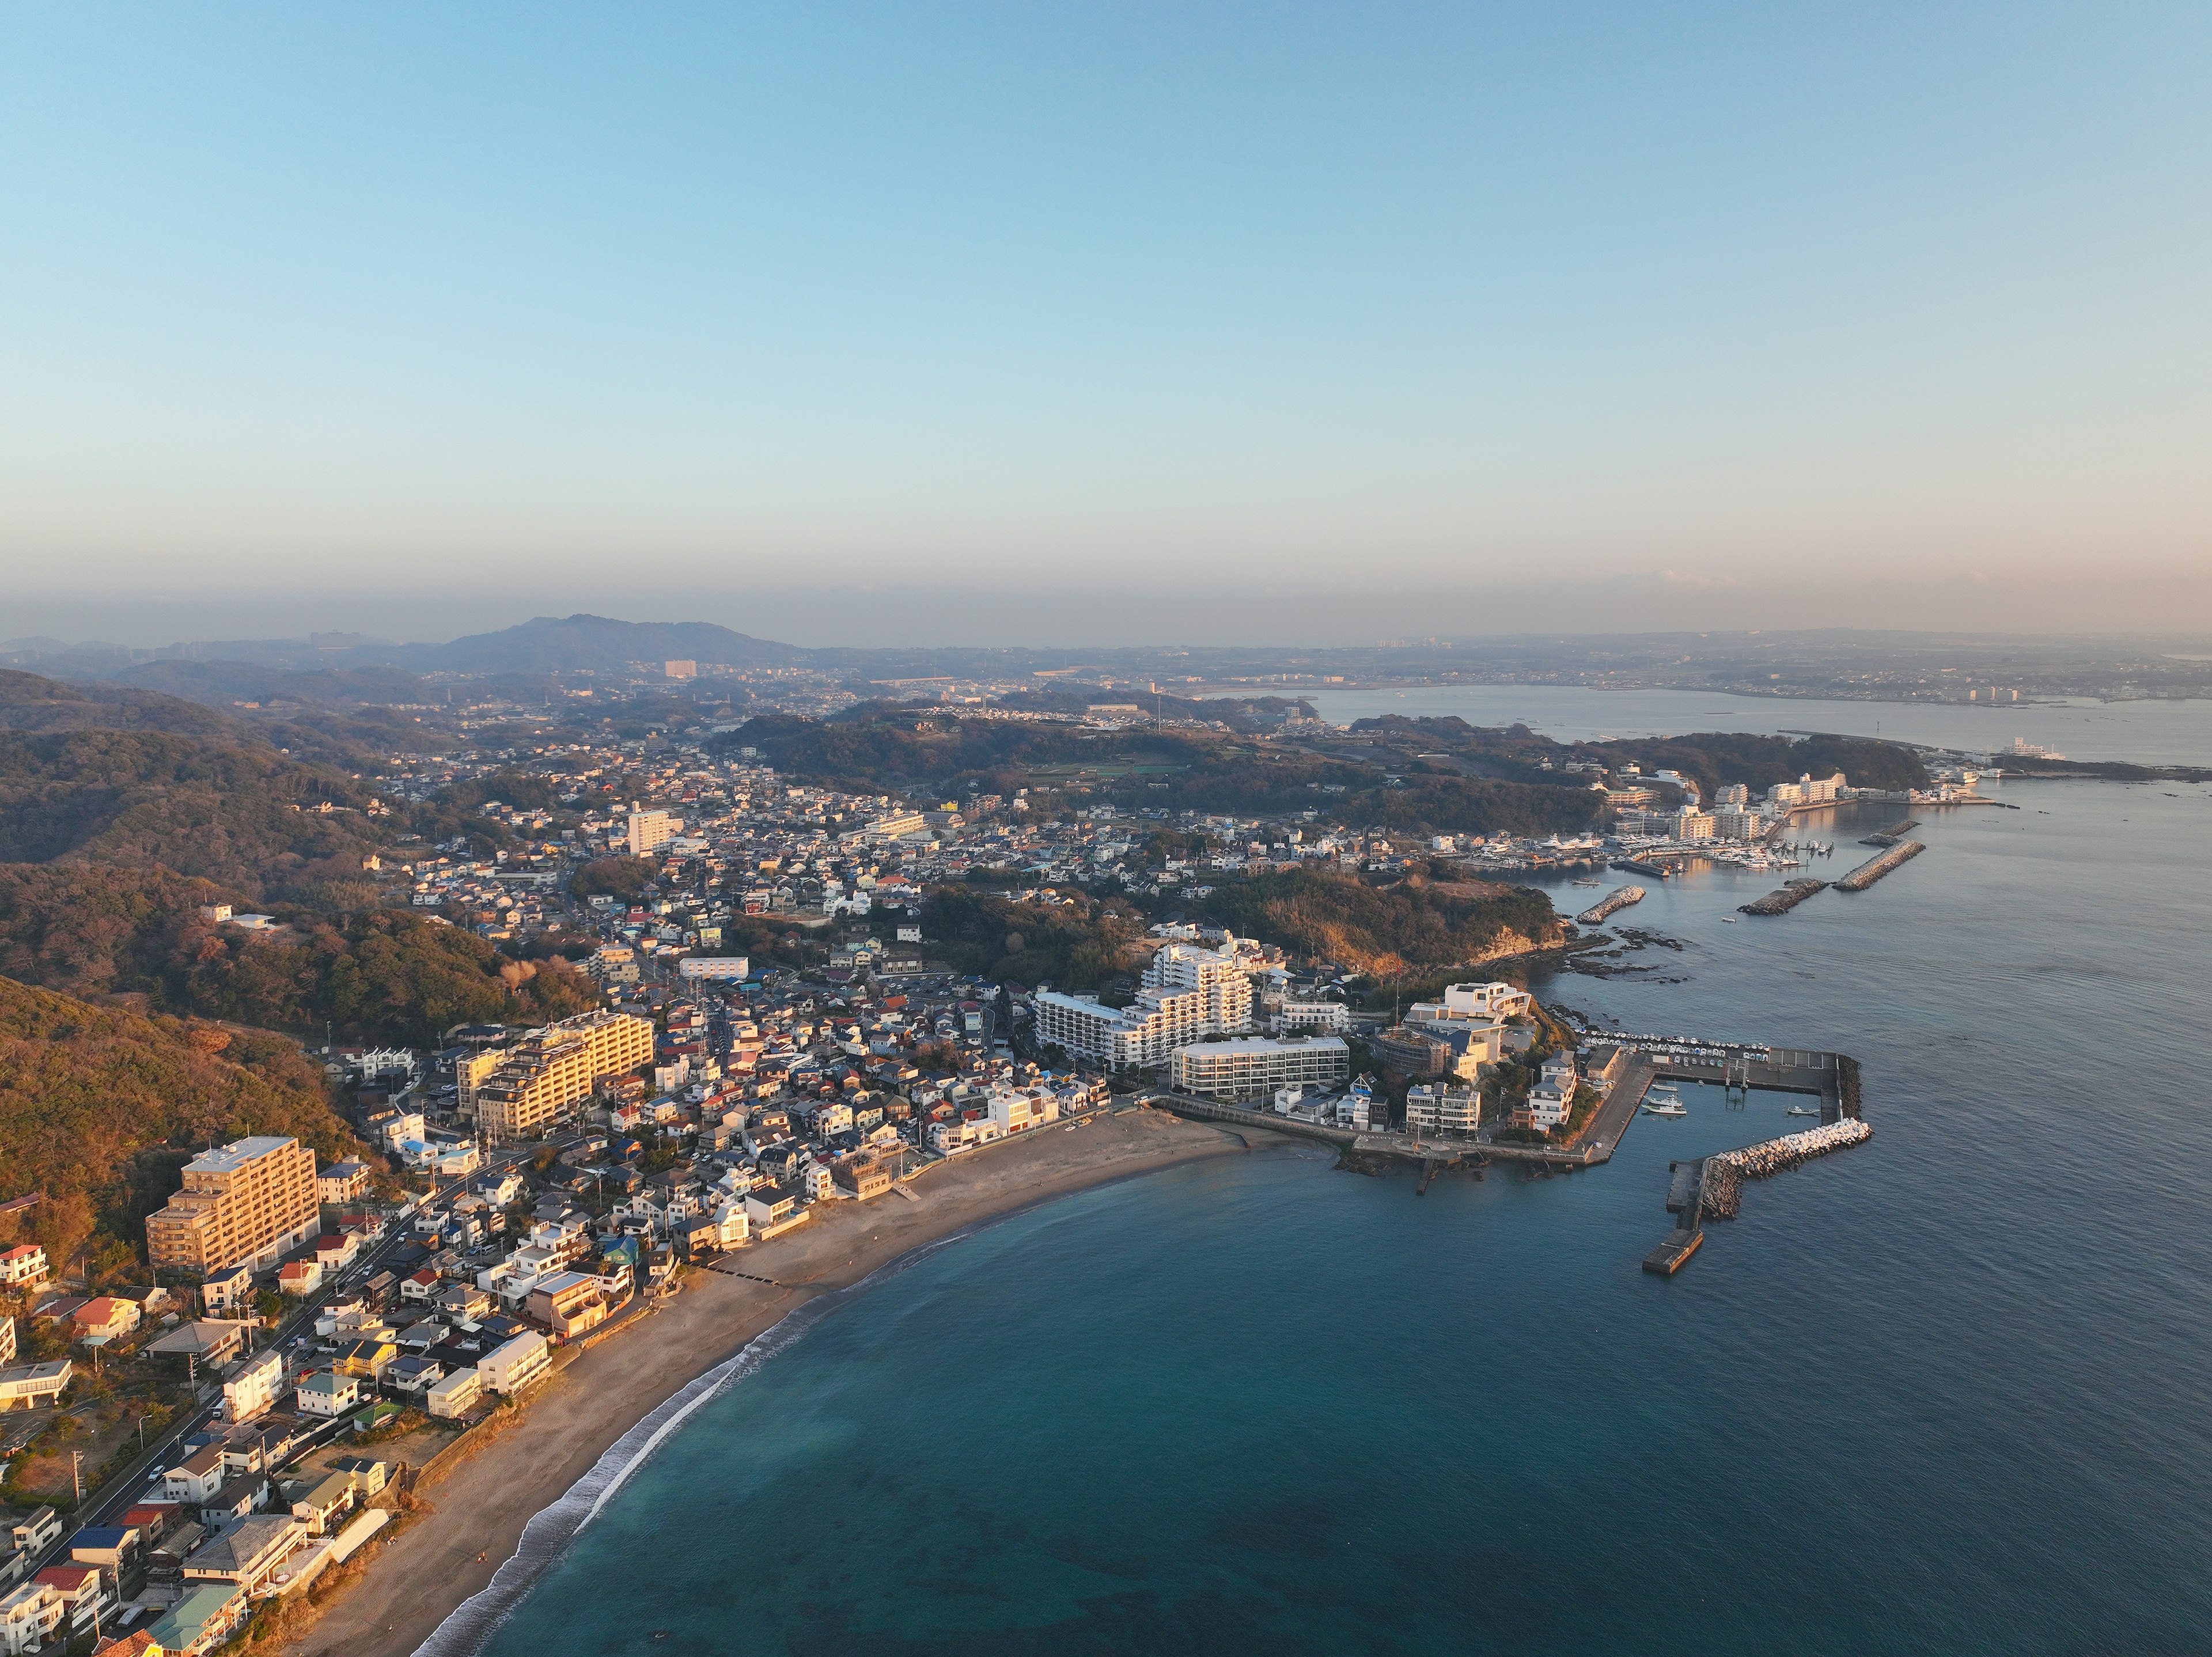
(480, 1497)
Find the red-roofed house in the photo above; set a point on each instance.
(107, 1315)
(421, 1286)
(300, 1276)
(334, 1250)
(24, 1268)
(85, 1592)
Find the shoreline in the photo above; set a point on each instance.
(519, 1492)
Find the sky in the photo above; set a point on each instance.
(939, 323)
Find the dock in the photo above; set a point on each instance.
(1874, 868)
(1619, 898)
(1674, 1253)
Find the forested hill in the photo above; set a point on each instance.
(1413, 925)
(99, 1108)
(374, 975)
(30, 704)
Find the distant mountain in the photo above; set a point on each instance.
(223, 683)
(547, 644)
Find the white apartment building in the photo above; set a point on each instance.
(1187, 992)
(1442, 1109)
(23, 1267)
(509, 1368)
(1016, 1108)
(252, 1386)
(1693, 824)
(650, 829)
(1325, 1017)
(1256, 1066)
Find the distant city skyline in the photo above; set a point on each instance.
(1145, 324)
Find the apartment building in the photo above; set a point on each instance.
(24, 1268)
(1187, 992)
(245, 1203)
(650, 829)
(1256, 1066)
(544, 1077)
(509, 1368)
(1479, 1003)
(1442, 1109)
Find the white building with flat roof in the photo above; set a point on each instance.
(1254, 1066)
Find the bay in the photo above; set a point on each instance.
(1945, 1392)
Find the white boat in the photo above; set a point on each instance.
(1800, 1110)
(1665, 1107)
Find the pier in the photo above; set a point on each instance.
(1618, 898)
(1874, 868)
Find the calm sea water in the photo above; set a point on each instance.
(2150, 732)
(1946, 1392)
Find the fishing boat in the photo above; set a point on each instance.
(1665, 1107)
(1801, 1110)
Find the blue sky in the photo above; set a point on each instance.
(673, 304)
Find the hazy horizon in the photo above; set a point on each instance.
(1152, 323)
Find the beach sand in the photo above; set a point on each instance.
(481, 1495)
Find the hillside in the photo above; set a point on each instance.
(234, 812)
(99, 1108)
(548, 643)
(378, 976)
(1413, 926)
(31, 703)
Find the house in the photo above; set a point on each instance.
(330, 1499)
(335, 1250)
(300, 1279)
(248, 1553)
(365, 1358)
(167, 1561)
(204, 1340)
(341, 1182)
(419, 1285)
(112, 1548)
(455, 1394)
(226, 1289)
(85, 1591)
(209, 1614)
(512, 1366)
(196, 1478)
(771, 1209)
(31, 1386)
(462, 1301)
(107, 1316)
(328, 1394)
(412, 1373)
(368, 1475)
(30, 1616)
(39, 1532)
(246, 1494)
(250, 1385)
(865, 1177)
(24, 1268)
(568, 1303)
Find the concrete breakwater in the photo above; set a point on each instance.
(1774, 1156)
(1619, 898)
(1874, 868)
(1781, 902)
(1894, 833)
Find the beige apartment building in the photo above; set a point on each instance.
(650, 829)
(541, 1080)
(243, 1203)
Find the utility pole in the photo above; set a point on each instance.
(77, 1474)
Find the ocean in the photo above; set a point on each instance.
(1947, 1391)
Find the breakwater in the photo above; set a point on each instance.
(1775, 1155)
(1874, 868)
(1782, 902)
(1635, 866)
(1891, 836)
(1618, 898)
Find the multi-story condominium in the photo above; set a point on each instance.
(1477, 1004)
(243, 1202)
(649, 829)
(1255, 1067)
(1327, 1016)
(546, 1075)
(1693, 824)
(1442, 1109)
(1734, 823)
(1187, 992)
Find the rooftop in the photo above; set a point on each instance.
(228, 1159)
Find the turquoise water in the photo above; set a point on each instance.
(1946, 1392)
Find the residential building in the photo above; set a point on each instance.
(552, 1070)
(1691, 823)
(1015, 1109)
(30, 1616)
(1318, 1017)
(85, 1594)
(107, 1315)
(650, 829)
(300, 1277)
(1187, 992)
(568, 1303)
(328, 1502)
(342, 1182)
(23, 1267)
(209, 1613)
(1254, 1067)
(33, 1386)
(7, 1341)
(863, 1176)
(1480, 1003)
(455, 1394)
(38, 1531)
(1410, 1050)
(328, 1393)
(226, 1288)
(1432, 1109)
(251, 1386)
(249, 1202)
(509, 1369)
(247, 1552)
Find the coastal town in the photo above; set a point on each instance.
(783, 1053)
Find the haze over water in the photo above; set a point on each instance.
(1945, 1393)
